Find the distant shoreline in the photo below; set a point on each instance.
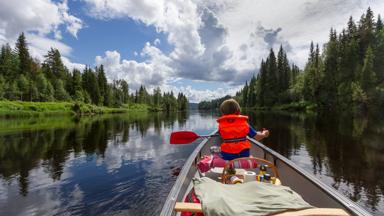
(31, 109)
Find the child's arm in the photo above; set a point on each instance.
(261, 135)
(257, 135)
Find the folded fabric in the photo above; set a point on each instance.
(211, 161)
(248, 199)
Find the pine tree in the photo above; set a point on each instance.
(45, 88)
(368, 76)
(271, 93)
(2, 87)
(262, 84)
(54, 65)
(12, 92)
(327, 94)
(125, 91)
(157, 97)
(379, 52)
(22, 84)
(366, 31)
(9, 62)
(76, 88)
(283, 75)
(245, 95)
(60, 92)
(281, 69)
(351, 29)
(91, 86)
(23, 54)
(252, 93)
(379, 24)
(102, 81)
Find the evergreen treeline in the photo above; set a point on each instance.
(348, 73)
(24, 78)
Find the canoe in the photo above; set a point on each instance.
(309, 187)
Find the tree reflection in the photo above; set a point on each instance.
(28, 144)
(348, 148)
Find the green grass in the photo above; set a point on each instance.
(28, 109)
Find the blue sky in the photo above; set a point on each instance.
(125, 35)
(203, 48)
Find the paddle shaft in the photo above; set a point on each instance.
(185, 137)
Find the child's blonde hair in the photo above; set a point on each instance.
(230, 106)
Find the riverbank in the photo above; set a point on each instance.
(29, 109)
(300, 106)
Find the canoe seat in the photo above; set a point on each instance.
(196, 208)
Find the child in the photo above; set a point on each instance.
(234, 129)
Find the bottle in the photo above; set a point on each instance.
(267, 178)
(273, 180)
(263, 169)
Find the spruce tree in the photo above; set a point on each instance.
(60, 92)
(379, 24)
(368, 76)
(45, 88)
(55, 66)
(102, 81)
(327, 94)
(245, 95)
(262, 84)
(91, 86)
(272, 87)
(22, 84)
(125, 91)
(9, 62)
(76, 86)
(157, 97)
(23, 55)
(2, 87)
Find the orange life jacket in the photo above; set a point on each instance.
(234, 130)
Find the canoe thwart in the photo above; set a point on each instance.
(315, 212)
(188, 207)
(196, 208)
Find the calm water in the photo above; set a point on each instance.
(123, 164)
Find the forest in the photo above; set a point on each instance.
(347, 75)
(23, 78)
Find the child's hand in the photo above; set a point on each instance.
(265, 132)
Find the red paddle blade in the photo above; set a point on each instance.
(183, 137)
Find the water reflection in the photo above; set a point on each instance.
(123, 164)
(345, 151)
(119, 164)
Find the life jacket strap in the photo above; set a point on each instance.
(240, 139)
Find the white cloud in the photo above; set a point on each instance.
(73, 24)
(156, 42)
(179, 19)
(224, 40)
(300, 21)
(72, 65)
(153, 72)
(195, 95)
(38, 18)
(41, 16)
(40, 45)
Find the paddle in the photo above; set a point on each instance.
(185, 137)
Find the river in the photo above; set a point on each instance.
(124, 164)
